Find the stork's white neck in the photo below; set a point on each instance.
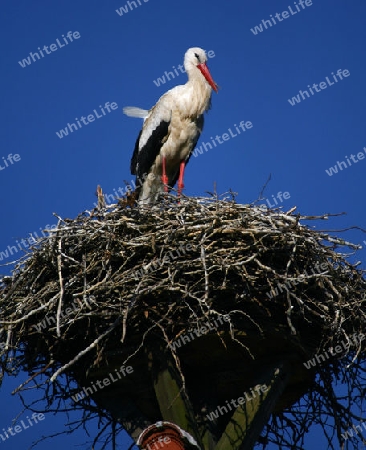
(198, 92)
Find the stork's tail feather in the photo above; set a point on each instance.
(134, 111)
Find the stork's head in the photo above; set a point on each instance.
(194, 60)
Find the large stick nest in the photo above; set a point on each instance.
(101, 288)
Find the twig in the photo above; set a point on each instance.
(62, 288)
(83, 352)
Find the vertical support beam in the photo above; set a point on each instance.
(248, 420)
(174, 404)
(208, 441)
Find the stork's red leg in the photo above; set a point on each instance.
(181, 175)
(164, 177)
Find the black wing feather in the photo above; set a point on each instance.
(133, 165)
(143, 159)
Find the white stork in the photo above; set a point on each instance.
(171, 130)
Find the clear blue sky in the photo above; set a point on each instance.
(116, 58)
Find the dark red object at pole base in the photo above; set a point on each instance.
(166, 436)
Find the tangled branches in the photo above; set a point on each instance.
(221, 288)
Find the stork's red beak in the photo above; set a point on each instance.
(206, 73)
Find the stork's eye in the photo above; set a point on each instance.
(198, 57)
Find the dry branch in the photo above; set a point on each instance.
(113, 277)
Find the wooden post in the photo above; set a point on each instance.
(248, 420)
(174, 404)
